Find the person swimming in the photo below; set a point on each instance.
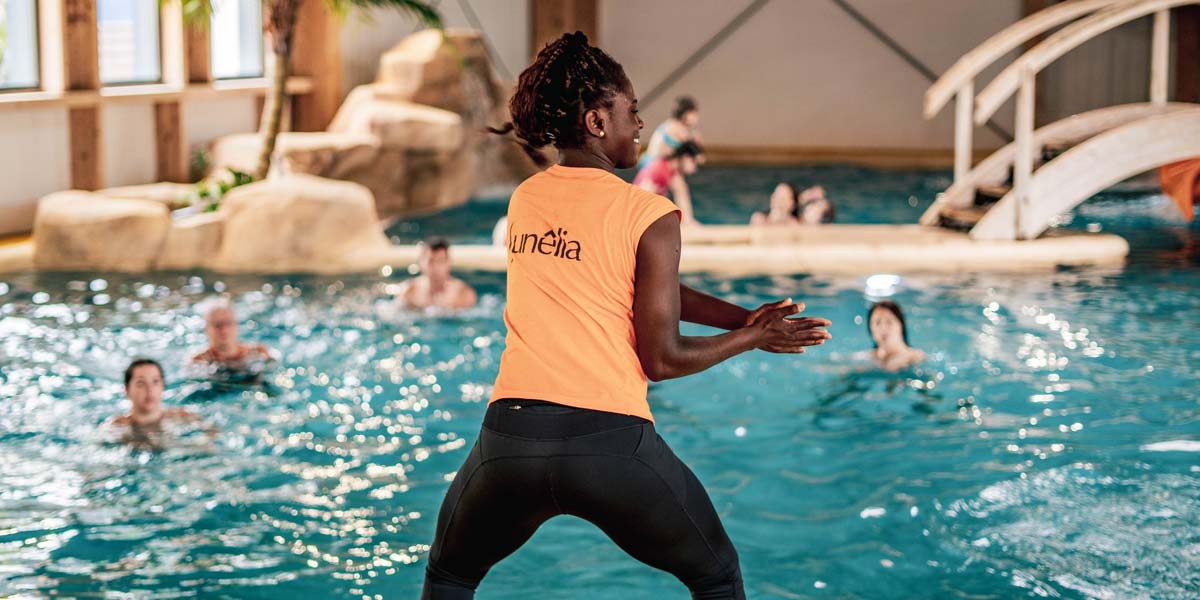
(144, 386)
(594, 308)
(663, 175)
(225, 353)
(885, 324)
(672, 133)
(435, 287)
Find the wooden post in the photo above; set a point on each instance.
(1160, 56)
(1187, 54)
(963, 130)
(86, 166)
(170, 155)
(81, 71)
(1023, 162)
(552, 18)
(317, 55)
(199, 60)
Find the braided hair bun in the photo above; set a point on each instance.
(567, 78)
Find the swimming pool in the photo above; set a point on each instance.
(1050, 447)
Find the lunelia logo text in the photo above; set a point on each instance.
(552, 243)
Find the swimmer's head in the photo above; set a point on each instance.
(686, 111)
(885, 323)
(574, 95)
(221, 327)
(144, 385)
(783, 199)
(814, 207)
(687, 155)
(434, 259)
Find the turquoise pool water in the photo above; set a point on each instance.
(1049, 448)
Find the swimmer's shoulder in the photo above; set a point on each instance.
(465, 296)
(122, 420)
(180, 414)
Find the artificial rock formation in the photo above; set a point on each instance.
(415, 137)
(299, 223)
(77, 230)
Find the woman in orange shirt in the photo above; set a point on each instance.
(594, 305)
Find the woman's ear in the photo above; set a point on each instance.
(593, 120)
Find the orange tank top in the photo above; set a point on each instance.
(572, 247)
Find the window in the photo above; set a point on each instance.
(18, 45)
(237, 39)
(128, 39)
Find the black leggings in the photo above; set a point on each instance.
(536, 460)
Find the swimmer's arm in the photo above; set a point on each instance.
(662, 351)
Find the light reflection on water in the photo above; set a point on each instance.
(1046, 448)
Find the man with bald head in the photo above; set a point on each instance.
(225, 350)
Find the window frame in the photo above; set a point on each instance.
(162, 59)
(261, 46)
(39, 75)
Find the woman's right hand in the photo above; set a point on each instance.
(782, 335)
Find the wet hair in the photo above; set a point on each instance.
(567, 78)
(893, 308)
(683, 106)
(141, 362)
(434, 244)
(828, 217)
(691, 149)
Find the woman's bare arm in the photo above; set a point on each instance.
(662, 351)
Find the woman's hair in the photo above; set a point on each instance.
(139, 362)
(567, 78)
(683, 106)
(893, 308)
(691, 149)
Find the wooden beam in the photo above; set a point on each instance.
(170, 156)
(552, 18)
(81, 71)
(81, 64)
(1187, 54)
(199, 60)
(318, 56)
(87, 171)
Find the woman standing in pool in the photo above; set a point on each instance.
(594, 305)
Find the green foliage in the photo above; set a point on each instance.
(199, 12)
(421, 11)
(208, 193)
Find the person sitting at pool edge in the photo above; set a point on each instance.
(782, 209)
(435, 287)
(144, 385)
(224, 348)
(885, 323)
(813, 208)
(669, 174)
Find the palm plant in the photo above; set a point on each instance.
(280, 25)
